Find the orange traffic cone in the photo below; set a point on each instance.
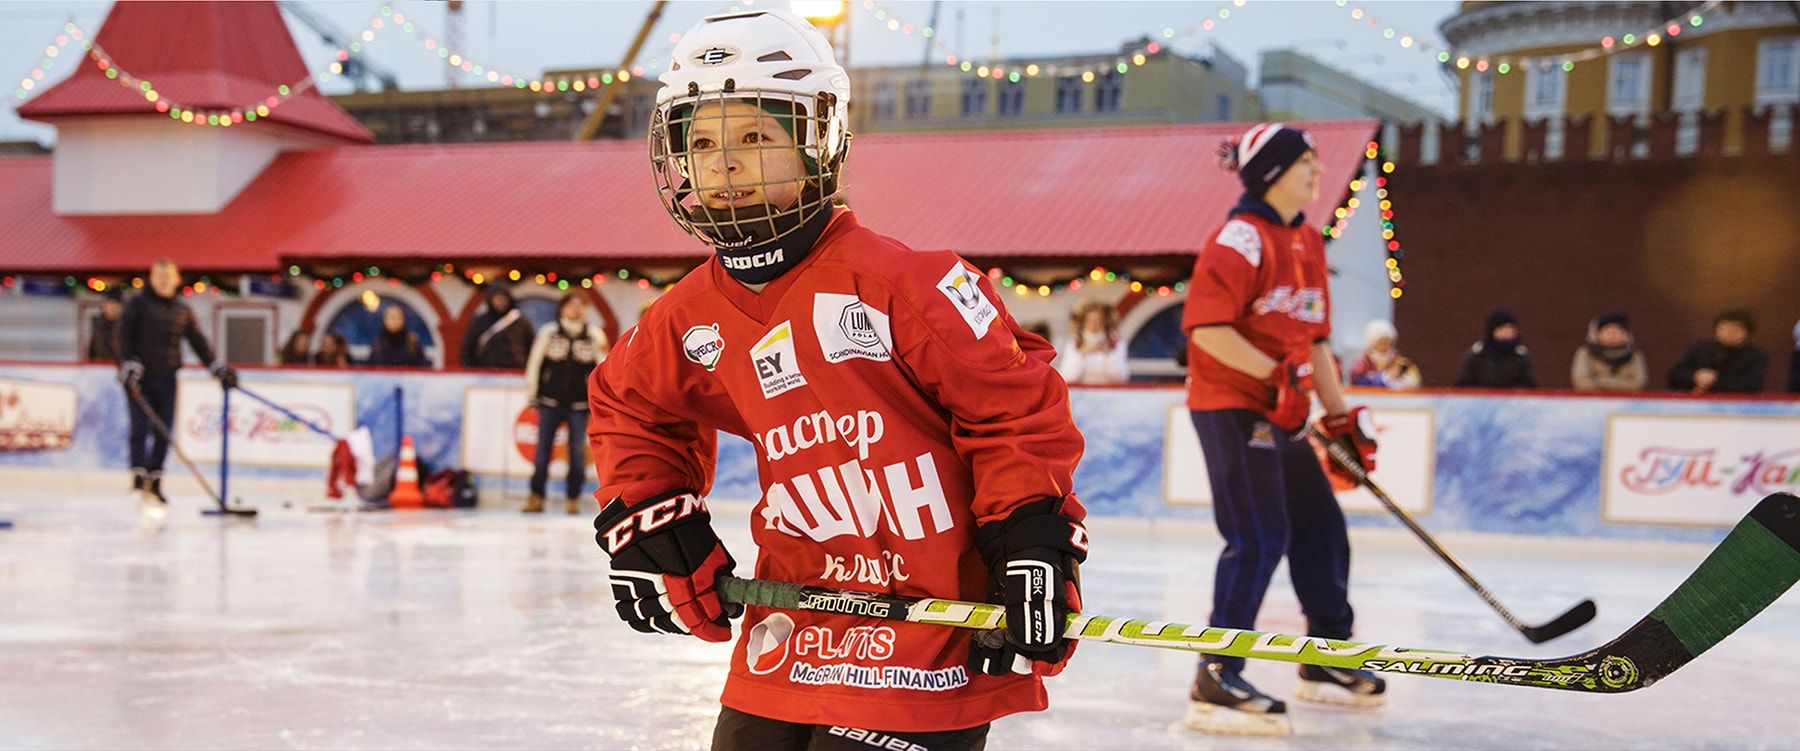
(406, 493)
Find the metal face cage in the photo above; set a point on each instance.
(743, 168)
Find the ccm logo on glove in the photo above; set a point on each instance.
(650, 518)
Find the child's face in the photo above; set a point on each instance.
(739, 155)
(1300, 184)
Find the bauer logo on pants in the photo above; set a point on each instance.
(777, 369)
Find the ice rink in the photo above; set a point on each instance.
(494, 630)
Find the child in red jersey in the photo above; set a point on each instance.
(911, 438)
(1258, 315)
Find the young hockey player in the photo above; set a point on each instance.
(1258, 313)
(911, 437)
(151, 329)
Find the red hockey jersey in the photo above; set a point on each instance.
(894, 405)
(1268, 282)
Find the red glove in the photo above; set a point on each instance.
(666, 562)
(1290, 391)
(1355, 431)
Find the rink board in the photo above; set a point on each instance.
(1524, 464)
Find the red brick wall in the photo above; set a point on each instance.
(1670, 242)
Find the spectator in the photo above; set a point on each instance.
(1093, 353)
(334, 351)
(1610, 361)
(103, 341)
(1381, 364)
(395, 347)
(1726, 363)
(556, 376)
(1794, 363)
(298, 350)
(1499, 360)
(498, 338)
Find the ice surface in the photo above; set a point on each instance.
(492, 630)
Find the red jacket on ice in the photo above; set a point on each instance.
(894, 405)
(1266, 280)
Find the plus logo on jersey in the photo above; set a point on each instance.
(1306, 304)
(777, 370)
(849, 328)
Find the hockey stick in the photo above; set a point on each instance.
(162, 429)
(288, 413)
(1574, 618)
(1758, 562)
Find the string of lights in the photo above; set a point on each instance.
(70, 33)
(247, 112)
(893, 23)
(459, 61)
(1504, 64)
(1120, 64)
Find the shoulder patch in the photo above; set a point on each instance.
(963, 289)
(701, 344)
(1242, 237)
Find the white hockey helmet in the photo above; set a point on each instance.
(773, 60)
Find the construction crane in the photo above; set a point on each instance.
(590, 126)
(356, 68)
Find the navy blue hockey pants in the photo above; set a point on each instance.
(1271, 498)
(148, 447)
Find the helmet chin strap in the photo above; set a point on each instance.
(741, 237)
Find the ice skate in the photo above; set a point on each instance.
(573, 507)
(1223, 703)
(1349, 688)
(533, 504)
(148, 489)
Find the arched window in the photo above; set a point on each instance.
(360, 322)
(1153, 348)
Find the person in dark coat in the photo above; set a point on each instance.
(103, 341)
(298, 350)
(1794, 363)
(395, 347)
(1726, 363)
(334, 351)
(151, 329)
(498, 338)
(1499, 360)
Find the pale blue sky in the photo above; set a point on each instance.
(530, 36)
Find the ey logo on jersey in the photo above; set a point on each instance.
(777, 370)
(961, 287)
(849, 328)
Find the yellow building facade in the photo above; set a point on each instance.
(1512, 61)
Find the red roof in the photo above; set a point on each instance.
(203, 55)
(1090, 193)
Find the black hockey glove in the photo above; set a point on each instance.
(130, 372)
(1034, 556)
(227, 377)
(666, 562)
